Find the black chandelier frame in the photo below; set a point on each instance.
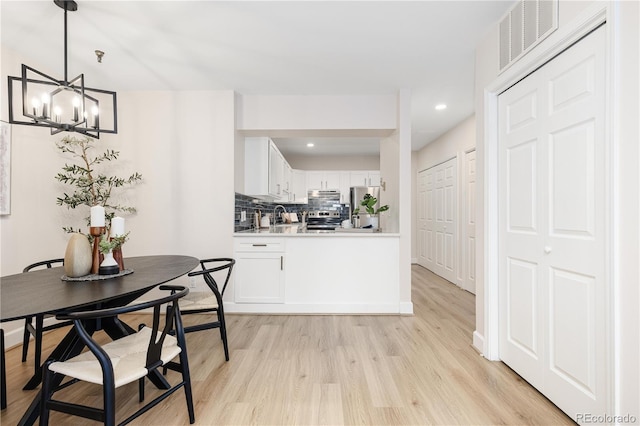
(83, 97)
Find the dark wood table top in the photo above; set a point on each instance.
(43, 291)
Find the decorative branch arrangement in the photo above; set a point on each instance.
(91, 187)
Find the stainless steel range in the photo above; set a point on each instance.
(323, 220)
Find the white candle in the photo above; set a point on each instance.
(117, 226)
(96, 122)
(76, 108)
(97, 216)
(45, 105)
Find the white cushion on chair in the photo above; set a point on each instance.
(198, 300)
(128, 356)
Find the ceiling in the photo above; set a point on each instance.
(269, 47)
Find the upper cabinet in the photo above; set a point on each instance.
(365, 178)
(323, 180)
(266, 172)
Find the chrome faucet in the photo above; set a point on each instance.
(274, 212)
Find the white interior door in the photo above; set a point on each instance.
(468, 249)
(440, 210)
(553, 244)
(423, 257)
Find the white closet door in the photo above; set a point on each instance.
(423, 227)
(468, 247)
(440, 223)
(553, 244)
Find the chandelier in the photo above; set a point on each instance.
(62, 105)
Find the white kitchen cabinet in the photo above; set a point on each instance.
(266, 171)
(259, 271)
(287, 182)
(365, 178)
(276, 171)
(323, 180)
(299, 186)
(345, 184)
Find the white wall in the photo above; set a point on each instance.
(183, 145)
(453, 144)
(291, 113)
(623, 36)
(334, 162)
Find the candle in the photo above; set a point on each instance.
(97, 216)
(35, 104)
(76, 108)
(96, 122)
(45, 105)
(57, 112)
(117, 226)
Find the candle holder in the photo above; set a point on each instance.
(117, 255)
(96, 232)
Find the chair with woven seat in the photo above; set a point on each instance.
(36, 328)
(120, 362)
(197, 303)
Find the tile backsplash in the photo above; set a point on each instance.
(251, 205)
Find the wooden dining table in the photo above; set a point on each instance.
(45, 292)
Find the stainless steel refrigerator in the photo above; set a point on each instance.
(357, 195)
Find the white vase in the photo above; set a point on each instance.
(109, 266)
(77, 257)
(369, 219)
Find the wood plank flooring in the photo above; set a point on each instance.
(331, 370)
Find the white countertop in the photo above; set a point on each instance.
(299, 231)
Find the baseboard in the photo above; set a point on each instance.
(414, 260)
(406, 308)
(478, 341)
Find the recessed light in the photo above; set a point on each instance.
(310, 145)
(441, 107)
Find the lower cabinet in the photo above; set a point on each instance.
(259, 271)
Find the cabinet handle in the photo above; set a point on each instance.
(259, 245)
(365, 181)
(281, 263)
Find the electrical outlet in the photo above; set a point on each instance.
(192, 282)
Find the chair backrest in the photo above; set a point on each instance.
(47, 263)
(154, 350)
(208, 278)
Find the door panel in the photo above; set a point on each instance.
(553, 241)
(468, 251)
(572, 167)
(440, 183)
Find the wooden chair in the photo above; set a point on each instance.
(36, 328)
(121, 361)
(196, 303)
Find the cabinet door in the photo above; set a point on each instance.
(299, 186)
(332, 180)
(315, 180)
(287, 184)
(275, 171)
(259, 278)
(359, 178)
(374, 178)
(345, 182)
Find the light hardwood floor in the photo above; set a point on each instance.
(332, 370)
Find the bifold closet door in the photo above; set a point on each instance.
(553, 241)
(437, 214)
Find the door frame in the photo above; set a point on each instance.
(562, 39)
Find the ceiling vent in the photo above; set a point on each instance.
(524, 26)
